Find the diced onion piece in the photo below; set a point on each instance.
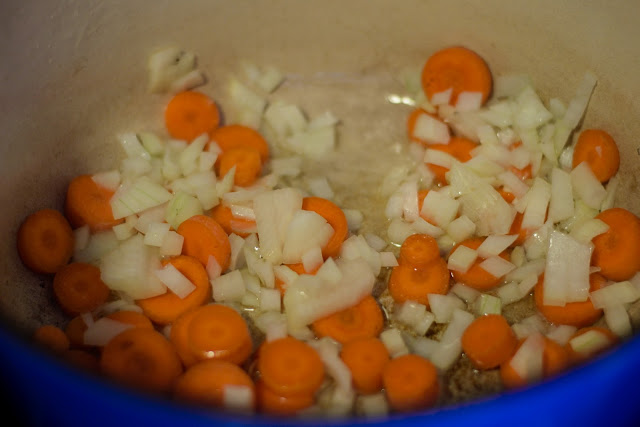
(192, 79)
(172, 244)
(272, 324)
(587, 186)
(100, 244)
(423, 346)
(518, 256)
(287, 166)
(530, 113)
(320, 187)
(307, 300)
(260, 267)
(485, 167)
(578, 104)
(81, 237)
(177, 282)
(375, 242)
(566, 277)
(392, 339)
(465, 292)
(399, 230)
(499, 114)
(237, 256)
(527, 362)
(441, 98)
(439, 208)
(285, 119)
(494, 245)
(274, 212)
(103, 330)
(242, 212)
(132, 146)
(182, 207)
(537, 244)
(313, 143)
(589, 342)
(148, 217)
(122, 231)
(388, 259)
(510, 85)
(609, 199)
(226, 183)
(248, 105)
(586, 230)
(469, 101)
(487, 304)
(152, 143)
(307, 230)
(270, 79)
(323, 120)
(328, 350)
(354, 219)
(421, 226)
(430, 130)
(614, 295)
(213, 268)
(461, 228)
(462, 259)
(168, 65)
(561, 333)
(536, 267)
(329, 272)
(438, 158)
(538, 200)
(372, 405)
(228, 287)
(312, 258)
(527, 284)
(509, 293)
(497, 266)
(513, 184)
(414, 315)
(109, 180)
(443, 306)
(238, 398)
(156, 234)
(618, 320)
(137, 197)
(561, 204)
(270, 300)
(357, 247)
(450, 346)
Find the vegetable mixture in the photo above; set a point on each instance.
(195, 270)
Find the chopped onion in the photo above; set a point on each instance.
(329, 272)
(509, 293)
(238, 397)
(272, 324)
(589, 342)
(499, 114)
(527, 284)
(372, 405)
(103, 330)
(614, 295)
(438, 158)
(182, 207)
(237, 255)
(497, 266)
(226, 184)
(465, 292)
(421, 226)
(587, 186)
(530, 113)
(388, 259)
(520, 157)
(609, 199)
(260, 267)
(375, 242)
(566, 276)
(450, 347)
(270, 300)
(313, 143)
(462, 259)
(156, 234)
(132, 147)
(81, 237)
(561, 204)
(518, 256)
(177, 282)
(441, 98)
(248, 102)
(287, 166)
(148, 217)
(487, 304)
(152, 143)
(527, 362)
(430, 130)
(122, 231)
(329, 350)
(285, 119)
(536, 267)
(100, 244)
(137, 197)
(439, 208)
(494, 245)
(228, 287)
(537, 244)
(312, 259)
(561, 333)
(213, 268)
(578, 104)
(323, 120)
(461, 228)
(443, 306)
(409, 193)
(618, 320)
(469, 101)
(306, 230)
(484, 167)
(320, 187)
(392, 340)
(168, 65)
(513, 184)
(537, 201)
(109, 180)
(586, 230)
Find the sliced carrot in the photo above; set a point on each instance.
(211, 332)
(476, 277)
(78, 288)
(204, 383)
(555, 359)
(617, 251)
(134, 318)
(418, 250)
(269, 402)
(88, 203)
(141, 358)
(290, 367)
(83, 360)
(75, 331)
(411, 124)
(458, 147)
(336, 219)
(366, 359)
(578, 314)
(222, 215)
(577, 357)
(411, 383)
(516, 228)
(410, 284)
(234, 136)
(489, 341)
(190, 114)
(363, 320)
(164, 309)
(459, 69)
(506, 195)
(204, 237)
(246, 161)
(599, 150)
(52, 338)
(45, 241)
(421, 196)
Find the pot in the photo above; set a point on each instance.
(74, 75)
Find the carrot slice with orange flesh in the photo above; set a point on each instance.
(246, 161)
(578, 357)
(418, 250)
(138, 320)
(270, 402)
(363, 320)
(82, 359)
(234, 136)
(366, 359)
(88, 203)
(45, 241)
(190, 114)
(578, 314)
(411, 383)
(508, 197)
(222, 215)
(164, 309)
(78, 288)
(212, 332)
(75, 331)
(477, 277)
(141, 358)
(52, 338)
(458, 147)
(204, 383)
(599, 150)
(336, 219)
(204, 237)
(489, 341)
(617, 251)
(459, 69)
(410, 284)
(290, 367)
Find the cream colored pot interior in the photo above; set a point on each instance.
(73, 76)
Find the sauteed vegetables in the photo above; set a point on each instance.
(198, 269)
